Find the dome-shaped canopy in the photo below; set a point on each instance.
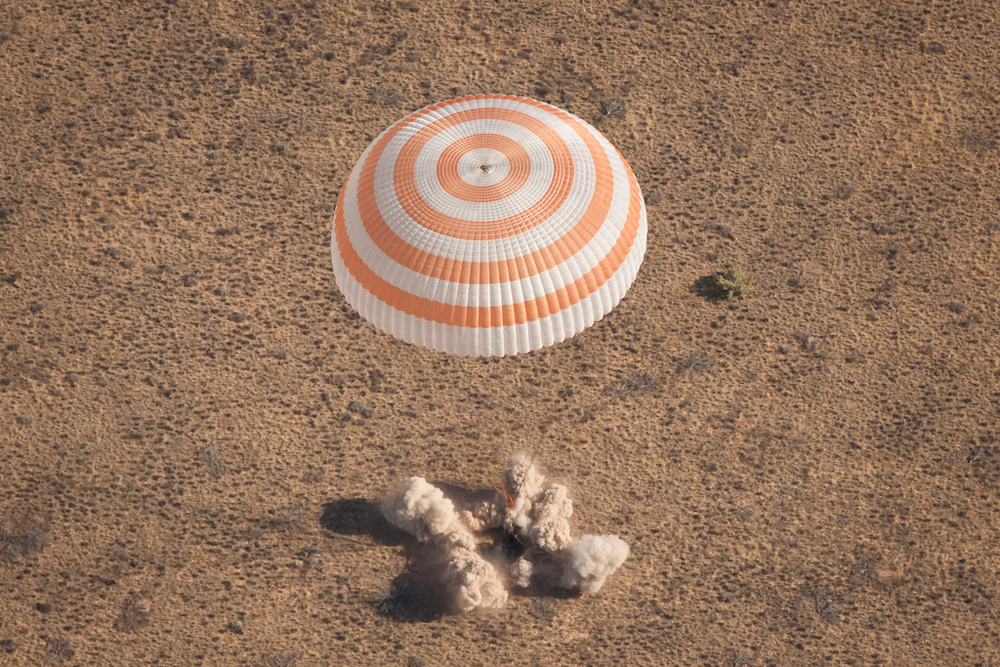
(488, 225)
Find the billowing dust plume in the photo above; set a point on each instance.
(422, 510)
(531, 509)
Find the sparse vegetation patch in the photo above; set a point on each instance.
(693, 363)
(21, 538)
(390, 597)
(642, 381)
(732, 284)
(135, 614)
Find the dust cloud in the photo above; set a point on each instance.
(475, 538)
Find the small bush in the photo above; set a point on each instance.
(732, 284)
(59, 650)
(135, 614)
(638, 382)
(22, 536)
(391, 597)
(614, 108)
(693, 364)
(284, 659)
(387, 96)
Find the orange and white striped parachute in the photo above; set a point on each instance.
(488, 225)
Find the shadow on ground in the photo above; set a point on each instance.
(359, 516)
(707, 287)
(415, 594)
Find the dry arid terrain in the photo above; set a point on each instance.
(196, 430)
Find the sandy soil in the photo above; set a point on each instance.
(194, 426)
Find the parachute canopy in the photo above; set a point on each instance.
(487, 226)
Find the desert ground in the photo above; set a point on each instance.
(196, 430)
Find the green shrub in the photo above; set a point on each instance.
(732, 284)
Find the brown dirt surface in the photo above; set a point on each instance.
(195, 427)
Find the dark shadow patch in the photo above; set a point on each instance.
(510, 546)
(543, 591)
(462, 496)
(707, 287)
(416, 595)
(728, 285)
(359, 516)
